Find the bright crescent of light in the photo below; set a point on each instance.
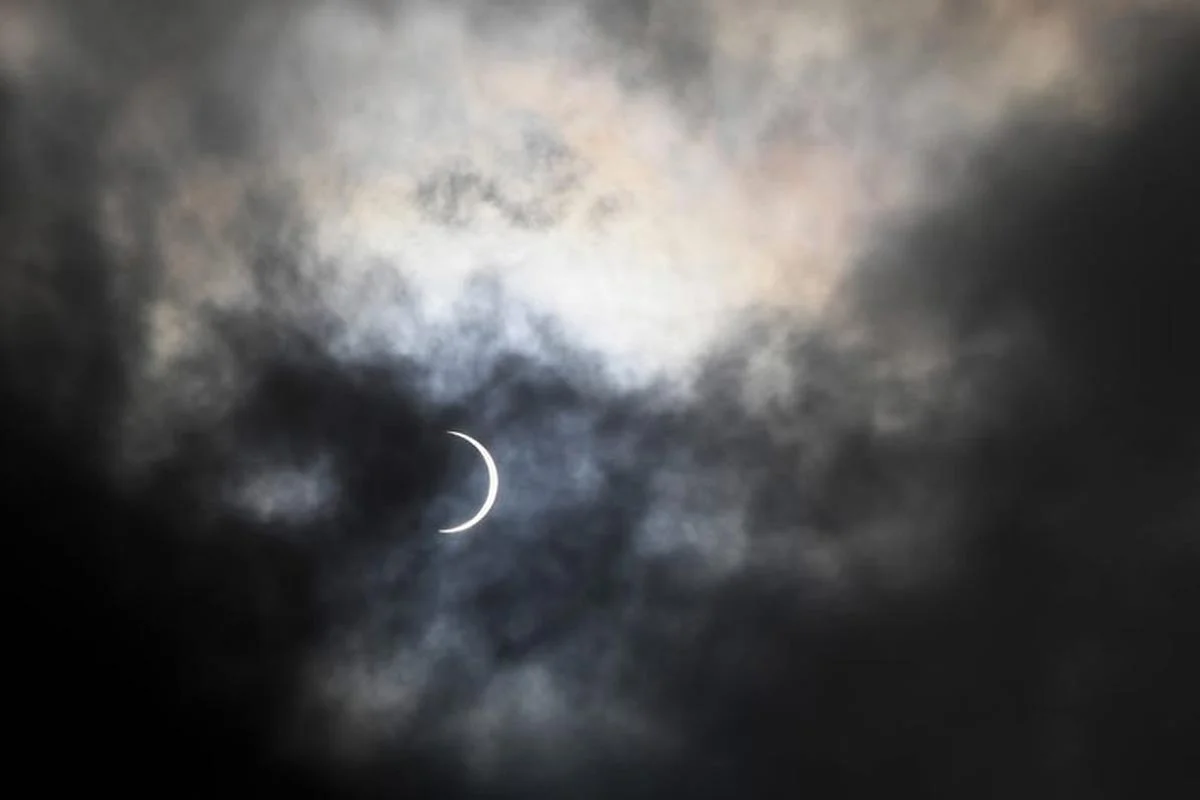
(493, 486)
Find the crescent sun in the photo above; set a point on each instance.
(493, 486)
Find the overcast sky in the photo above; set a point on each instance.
(837, 358)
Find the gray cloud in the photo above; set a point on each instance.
(849, 449)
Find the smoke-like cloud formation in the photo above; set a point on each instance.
(838, 359)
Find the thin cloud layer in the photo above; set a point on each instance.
(834, 357)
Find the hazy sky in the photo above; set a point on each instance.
(804, 334)
(642, 172)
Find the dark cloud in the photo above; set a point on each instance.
(680, 597)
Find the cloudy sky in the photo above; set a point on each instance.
(835, 357)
